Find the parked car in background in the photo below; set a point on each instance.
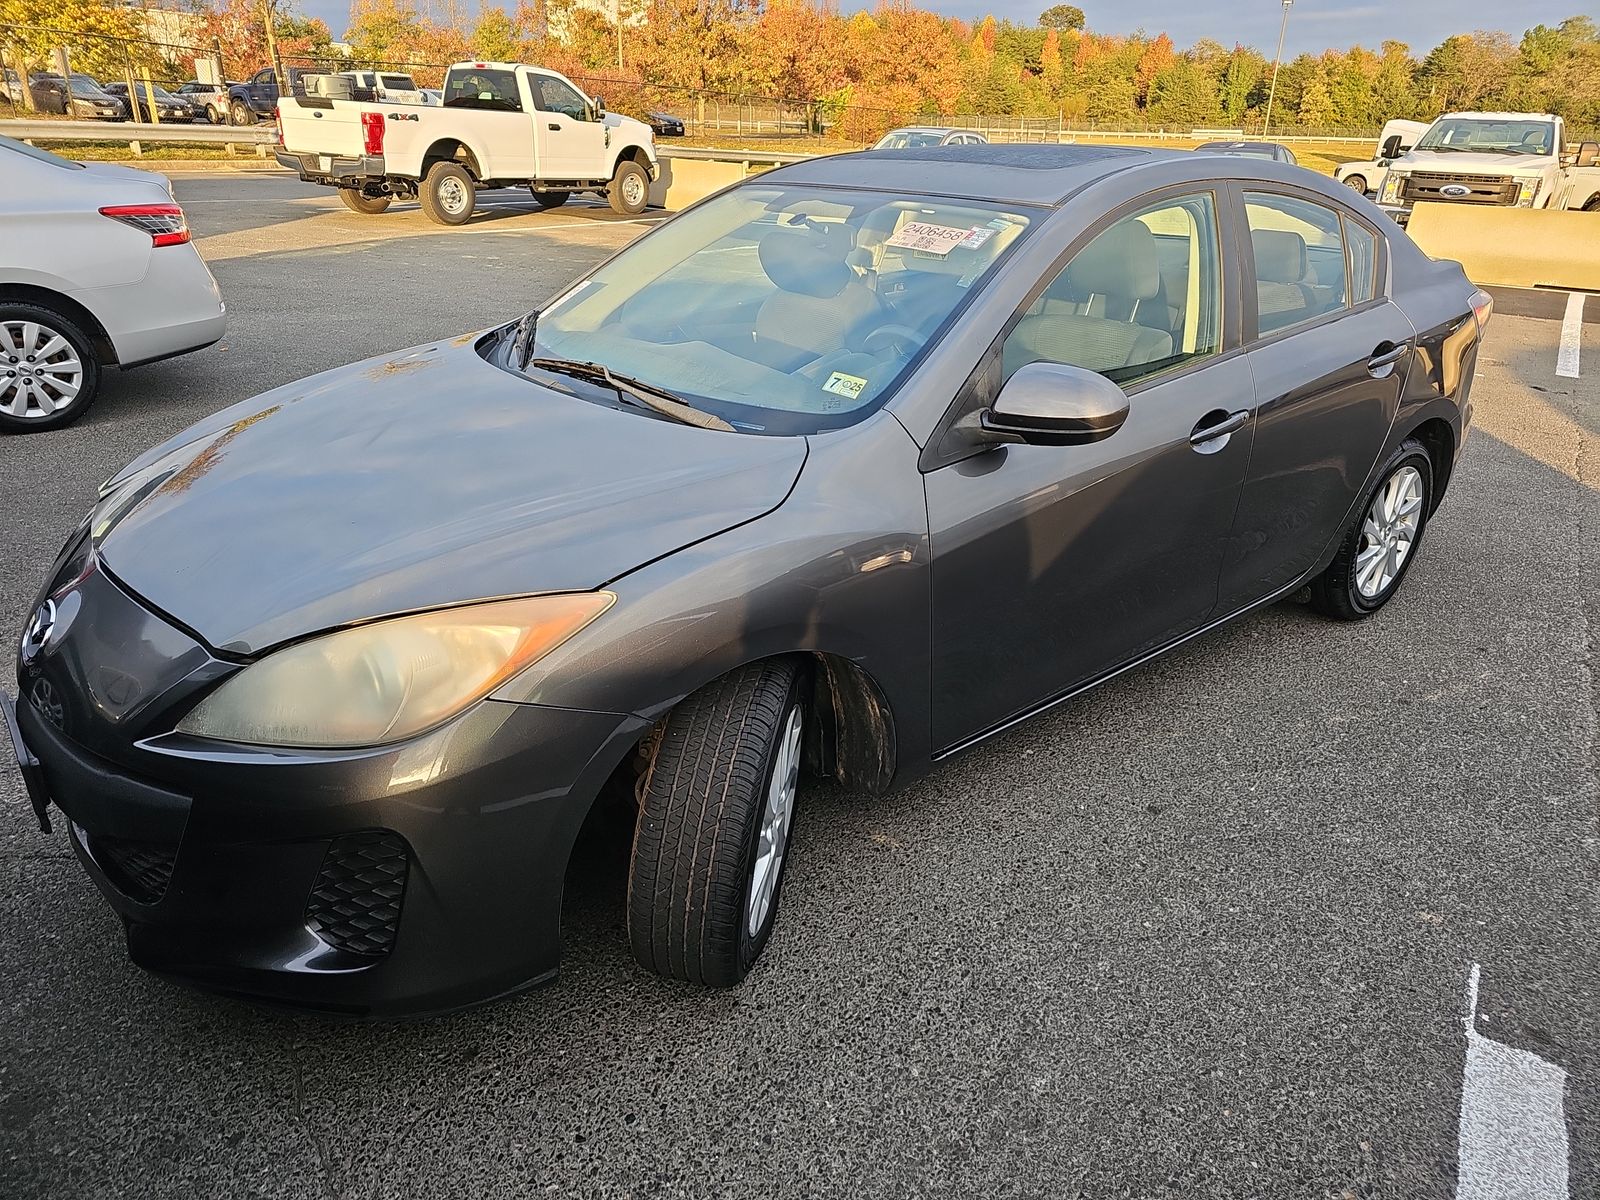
(149, 101)
(1267, 150)
(917, 137)
(433, 97)
(253, 100)
(210, 98)
(1367, 176)
(664, 124)
(742, 499)
(97, 271)
(391, 87)
(86, 99)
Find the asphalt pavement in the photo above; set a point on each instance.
(1206, 931)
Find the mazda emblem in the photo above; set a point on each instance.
(1455, 190)
(43, 695)
(39, 629)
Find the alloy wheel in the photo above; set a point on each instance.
(776, 817)
(1388, 532)
(40, 372)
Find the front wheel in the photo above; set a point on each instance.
(358, 201)
(48, 371)
(447, 194)
(629, 192)
(1381, 543)
(241, 113)
(1359, 182)
(712, 837)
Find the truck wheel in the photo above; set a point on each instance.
(712, 836)
(241, 113)
(447, 194)
(48, 370)
(629, 192)
(358, 201)
(551, 199)
(1359, 182)
(213, 116)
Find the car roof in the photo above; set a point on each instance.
(1018, 174)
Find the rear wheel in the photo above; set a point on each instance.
(241, 113)
(551, 199)
(629, 192)
(48, 371)
(213, 117)
(1359, 182)
(359, 201)
(1381, 543)
(447, 194)
(712, 837)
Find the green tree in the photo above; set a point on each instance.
(1061, 17)
(495, 36)
(1183, 96)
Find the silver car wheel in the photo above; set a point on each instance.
(1389, 532)
(633, 190)
(40, 372)
(452, 195)
(776, 817)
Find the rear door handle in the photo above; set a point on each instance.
(1386, 354)
(1218, 424)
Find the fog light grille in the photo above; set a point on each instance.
(355, 905)
(139, 870)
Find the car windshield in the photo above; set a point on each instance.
(1489, 137)
(908, 140)
(782, 309)
(33, 152)
(84, 86)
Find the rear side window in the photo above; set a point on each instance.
(1363, 245)
(493, 90)
(1299, 259)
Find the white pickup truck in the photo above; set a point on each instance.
(1513, 160)
(501, 125)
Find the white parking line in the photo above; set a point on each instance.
(1571, 336)
(1513, 1137)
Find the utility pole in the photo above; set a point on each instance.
(616, 13)
(1266, 123)
(272, 49)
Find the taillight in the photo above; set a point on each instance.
(277, 119)
(372, 133)
(1482, 307)
(163, 222)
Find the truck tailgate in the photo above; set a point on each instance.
(332, 127)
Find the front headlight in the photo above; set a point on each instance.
(1391, 189)
(392, 679)
(1527, 192)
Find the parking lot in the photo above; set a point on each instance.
(1207, 931)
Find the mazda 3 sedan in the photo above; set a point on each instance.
(841, 471)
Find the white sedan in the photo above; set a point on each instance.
(96, 270)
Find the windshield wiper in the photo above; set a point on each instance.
(522, 339)
(647, 395)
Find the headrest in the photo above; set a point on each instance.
(1120, 263)
(1280, 255)
(808, 259)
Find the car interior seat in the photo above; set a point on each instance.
(820, 302)
(1282, 294)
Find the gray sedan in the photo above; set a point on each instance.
(842, 471)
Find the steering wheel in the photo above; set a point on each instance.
(902, 340)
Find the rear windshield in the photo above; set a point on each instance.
(33, 152)
(397, 83)
(909, 141)
(475, 87)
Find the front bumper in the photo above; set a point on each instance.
(399, 880)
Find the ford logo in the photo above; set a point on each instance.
(1455, 190)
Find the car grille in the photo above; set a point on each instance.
(355, 904)
(139, 870)
(1483, 189)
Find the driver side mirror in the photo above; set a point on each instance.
(1391, 147)
(599, 107)
(1053, 404)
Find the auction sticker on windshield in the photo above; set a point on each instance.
(930, 239)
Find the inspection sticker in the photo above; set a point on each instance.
(929, 239)
(976, 236)
(848, 386)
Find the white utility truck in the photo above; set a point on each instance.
(1510, 160)
(501, 125)
(1368, 175)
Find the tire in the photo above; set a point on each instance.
(213, 117)
(551, 199)
(1356, 585)
(1359, 182)
(239, 113)
(25, 390)
(358, 201)
(696, 883)
(629, 192)
(447, 194)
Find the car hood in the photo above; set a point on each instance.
(426, 479)
(1472, 164)
(628, 127)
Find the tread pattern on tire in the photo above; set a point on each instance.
(700, 804)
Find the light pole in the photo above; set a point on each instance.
(1266, 122)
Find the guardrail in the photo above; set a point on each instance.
(133, 134)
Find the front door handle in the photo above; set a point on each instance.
(1218, 424)
(553, 127)
(1386, 354)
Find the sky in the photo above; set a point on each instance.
(1313, 24)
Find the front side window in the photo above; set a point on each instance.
(1298, 248)
(483, 88)
(1144, 296)
(782, 309)
(553, 95)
